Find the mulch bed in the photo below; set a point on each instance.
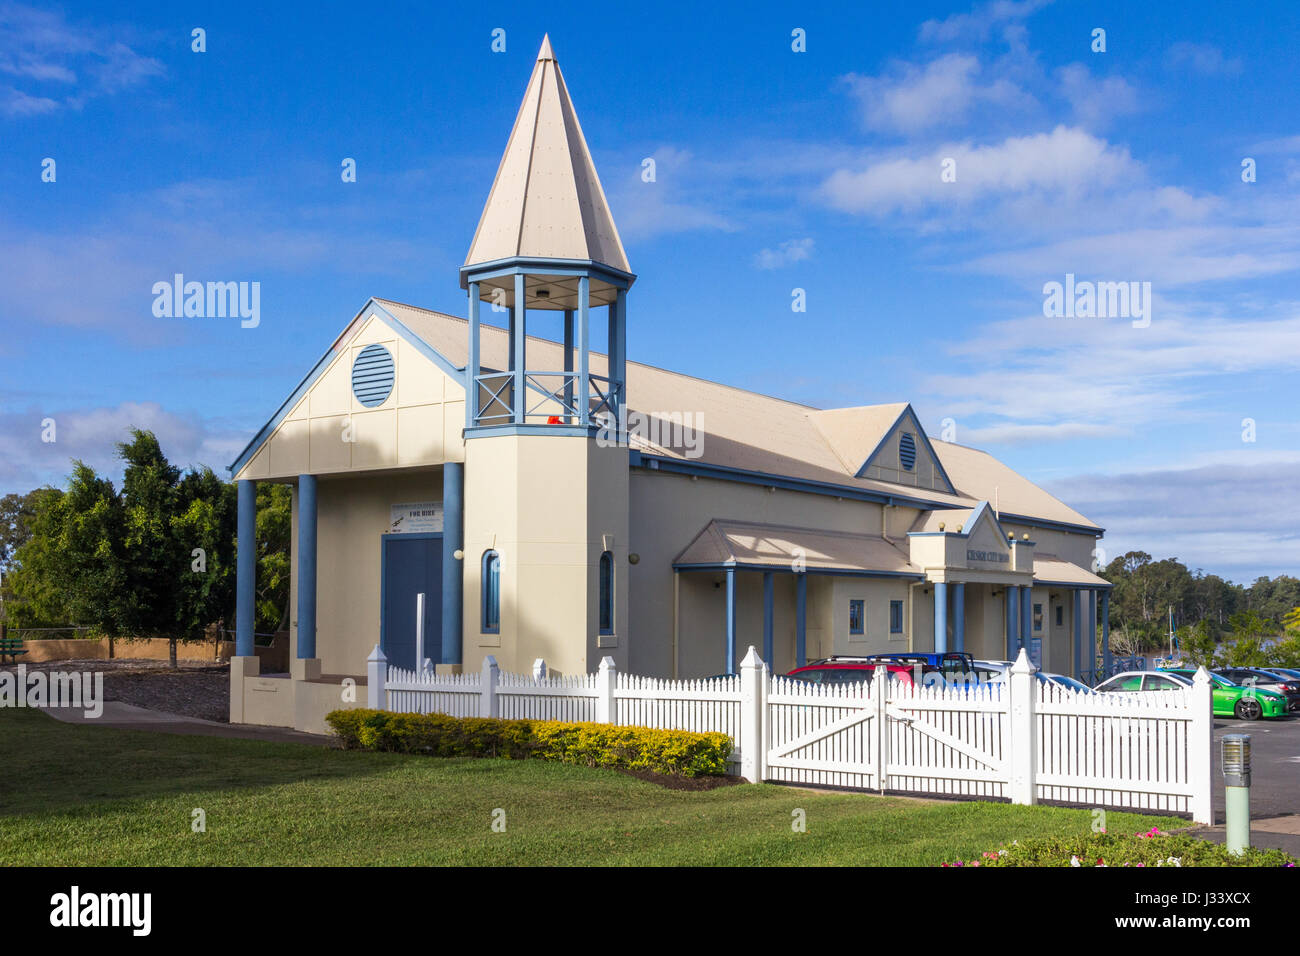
(673, 782)
(194, 689)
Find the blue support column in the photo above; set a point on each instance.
(584, 338)
(306, 567)
(611, 362)
(801, 619)
(1106, 661)
(568, 362)
(1026, 615)
(245, 568)
(1092, 635)
(940, 617)
(959, 616)
(518, 342)
(619, 355)
(510, 339)
(453, 570)
(1013, 622)
(731, 620)
(471, 363)
(1078, 633)
(768, 637)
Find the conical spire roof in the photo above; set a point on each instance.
(546, 201)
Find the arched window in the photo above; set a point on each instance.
(491, 592)
(607, 593)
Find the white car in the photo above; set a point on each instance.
(1140, 682)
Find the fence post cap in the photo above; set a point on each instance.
(751, 661)
(1022, 664)
(489, 663)
(1202, 676)
(607, 663)
(376, 655)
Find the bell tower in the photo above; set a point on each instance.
(546, 489)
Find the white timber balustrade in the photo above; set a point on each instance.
(1024, 740)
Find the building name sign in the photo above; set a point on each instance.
(993, 557)
(418, 517)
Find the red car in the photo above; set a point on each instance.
(849, 670)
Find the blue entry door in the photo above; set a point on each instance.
(411, 563)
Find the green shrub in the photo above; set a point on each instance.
(679, 752)
(1112, 849)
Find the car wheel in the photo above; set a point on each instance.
(1248, 709)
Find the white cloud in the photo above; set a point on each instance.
(980, 22)
(1203, 58)
(792, 250)
(674, 202)
(1229, 519)
(69, 63)
(1065, 163)
(1096, 101)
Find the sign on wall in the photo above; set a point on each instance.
(1036, 652)
(418, 517)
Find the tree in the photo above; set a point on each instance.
(1197, 643)
(17, 512)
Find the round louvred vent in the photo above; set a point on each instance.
(907, 451)
(372, 375)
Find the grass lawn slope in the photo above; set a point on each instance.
(77, 795)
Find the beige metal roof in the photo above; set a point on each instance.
(751, 544)
(854, 433)
(749, 431)
(1049, 569)
(546, 200)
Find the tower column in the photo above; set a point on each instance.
(940, 617)
(471, 362)
(959, 616)
(518, 341)
(568, 363)
(584, 338)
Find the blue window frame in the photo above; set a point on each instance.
(857, 613)
(607, 593)
(1038, 617)
(491, 593)
(895, 617)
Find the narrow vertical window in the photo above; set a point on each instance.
(491, 592)
(895, 617)
(607, 593)
(856, 609)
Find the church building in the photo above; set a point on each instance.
(502, 489)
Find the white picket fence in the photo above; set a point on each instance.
(1023, 741)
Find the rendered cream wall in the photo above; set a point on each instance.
(667, 511)
(353, 513)
(329, 431)
(547, 504)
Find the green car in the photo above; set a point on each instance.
(1235, 700)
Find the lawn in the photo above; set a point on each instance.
(75, 795)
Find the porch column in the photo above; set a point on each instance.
(959, 616)
(1092, 634)
(940, 616)
(1026, 615)
(471, 362)
(768, 586)
(1105, 632)
(518, 343)
(306, 567)
(1013, 621)
(245, 568)
(584, 337)
(801, 619)
(1078, 633)
(731, 620)
(453, 570)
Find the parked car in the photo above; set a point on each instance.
(1236, 700)
(1259, 677)
(849, 670)
(1136, 682)
(953, 665)
(1070, 682)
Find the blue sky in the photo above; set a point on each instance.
(775, 170)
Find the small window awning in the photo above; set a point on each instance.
(1049, 569)
(763, 547)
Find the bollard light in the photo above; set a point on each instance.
(1235, 762)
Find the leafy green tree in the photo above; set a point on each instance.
(17, 513)
(1197, 643)
(274, 524)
